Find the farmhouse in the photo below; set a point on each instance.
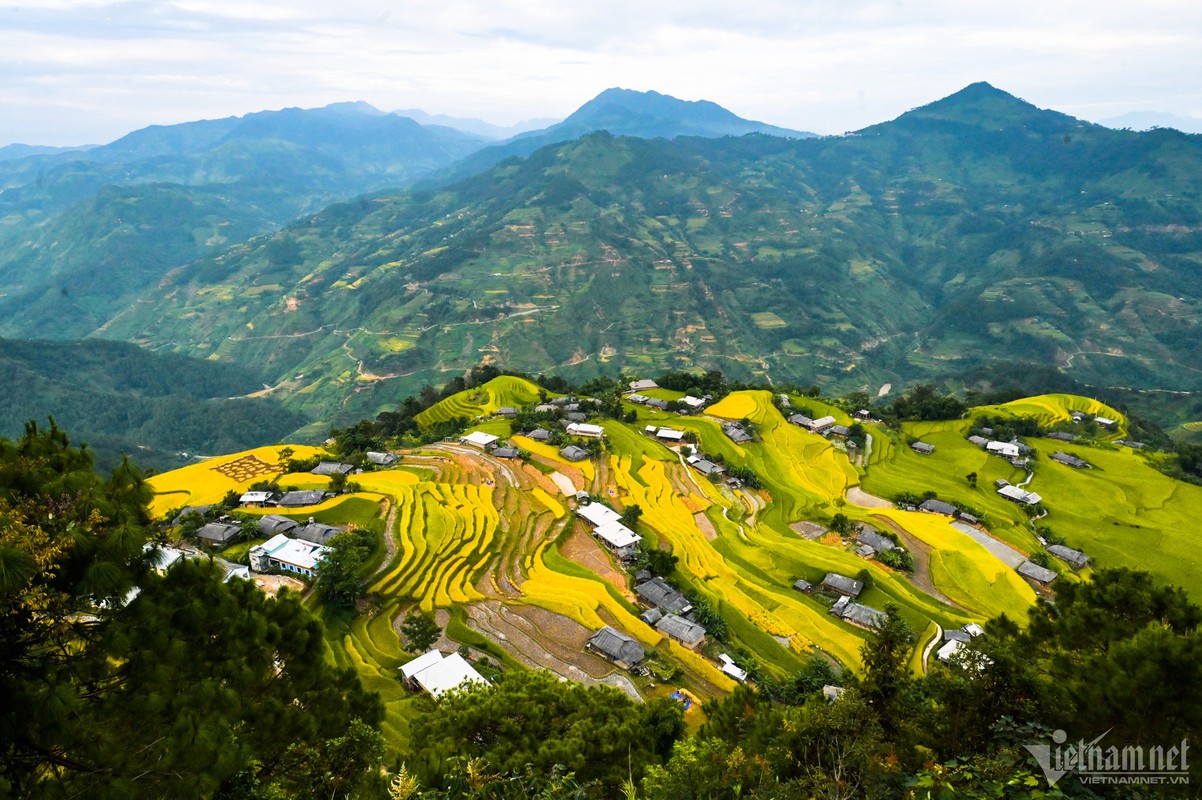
(801, 420)
(598, 514)
(730, 668)
(1007, 449)
(303, 497)
(438, 675)
(950, 649)
(617, 647)
(508, 451)
(822, 424)
(922, 447)
(1062, 436)
(539, 435)
(382, 459)
(583, 429)
(618, 538)
(705, 466)
(1070, 460)
(736, 433)
(803, 586)
(1018, 495)
(219, 533)
(507, 411)
(290, 555)
(643, 385)
(333, 468)
(979, 441)
(179, 518)
(690, 634)
(856, 614)
(876, 541)
(256, 499)
(1041, 575)
(658, 593)
(639, 399)
(1075, 558)
(842, 431)
(271, 524)
(669, 434)
(575, 416)
(573, 453)
(1105, 422)
(841, 584)
(938, 507)
(655, 402)
(695, 403)
(316, 533)
(1131, 444)
(479, 439)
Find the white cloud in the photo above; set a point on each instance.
(813, 64)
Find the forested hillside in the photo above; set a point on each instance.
(975, 231)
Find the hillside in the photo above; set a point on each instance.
(119, 399)
(491, 544)
(976, 231)
(84, 233)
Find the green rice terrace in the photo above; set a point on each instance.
(493, 546)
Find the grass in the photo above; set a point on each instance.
(209, 481)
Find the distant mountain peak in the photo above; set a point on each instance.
(983, 105)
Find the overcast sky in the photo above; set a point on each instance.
(89, 72)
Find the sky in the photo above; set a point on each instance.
(88, 72)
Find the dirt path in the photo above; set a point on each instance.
(390, 545)
(921, 577)
(861, 498)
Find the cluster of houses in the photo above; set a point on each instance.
(1013, 451)
(669, 612)
(1017, 494)
(955, 640)
(633, 395)
(847, 590)
(706, 467)
(824, 426)
(666, 435)
(292, 547)
(736, 433)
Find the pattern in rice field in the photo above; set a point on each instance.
(246, 469)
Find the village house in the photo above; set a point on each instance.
(333, 468)
(735, 433)
(656, 592)
(1075, 558)
(382, 459)
(669, 435)
(586, 430)
(937, 507)
(219, 533)
(821, 425)
(616, 646)
(256, 499)
(161, 558)
(842, 431)
(288, 555)
(508, 451)
(841, 584)
(1019, 495)
(507, 411)
(922, 448)
(859, 615)
(694, 403)
(617, 537)
(479, 439)
(1034, 572)
(1070, 460)
(802, 420)
(271, 524)
(303, 497)
(706, 467)
(876, 541)
(690, 634)
(1005, 449)
(573, 453)
(979, 441)
(539, 435)
(655, 402)
(315, 532)
(732, 670)
(436, 675)
(1062, 436)
(643, 385)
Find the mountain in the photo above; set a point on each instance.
(976, 231)
(12, 151)
(475, 126)
(623, 112)
(82, 233)
(1146, 120)
(120, 398)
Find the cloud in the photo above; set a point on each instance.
(810, 64)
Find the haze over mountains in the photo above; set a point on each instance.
(972, 231)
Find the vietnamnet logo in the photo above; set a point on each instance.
(1095, 763)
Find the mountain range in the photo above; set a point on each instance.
(975, 231)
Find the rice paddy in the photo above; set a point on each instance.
(482, 542)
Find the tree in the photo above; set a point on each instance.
(421, 630)
(971, 478)
(186, 688)
(631, 515)
(841, 524)
(661, 562)
(339, 578)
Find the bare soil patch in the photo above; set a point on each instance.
(810, 530)
(705, 526)
(863, 499)
(921, 577)
(586, 551)
(271, 584)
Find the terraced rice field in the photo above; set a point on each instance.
(210, 480)
(1052, 408)
(505, 390)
